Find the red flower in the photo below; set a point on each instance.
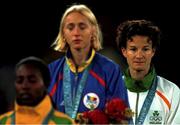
(96, 117)
(115, 109)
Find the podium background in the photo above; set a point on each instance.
(28, 28)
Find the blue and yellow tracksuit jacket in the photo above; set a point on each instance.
(103, 83)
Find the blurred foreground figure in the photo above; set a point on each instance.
(33, 105)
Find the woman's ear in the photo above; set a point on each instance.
(153, 51)
(124, 52)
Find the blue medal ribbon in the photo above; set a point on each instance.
(147, 103)
(71, 106)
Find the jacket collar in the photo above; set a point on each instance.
(81, 67)
(42, 109)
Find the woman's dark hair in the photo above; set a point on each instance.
(39, 64)
(128, 29)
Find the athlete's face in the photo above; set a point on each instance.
(77, 31)
(30, 88)
(139, 53)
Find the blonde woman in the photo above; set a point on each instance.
(83, 79)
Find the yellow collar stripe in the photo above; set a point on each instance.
(83, 66)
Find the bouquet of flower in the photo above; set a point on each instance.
(115, 112)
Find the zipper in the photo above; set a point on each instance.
(75, 84)
(136, 110)
(76, 74)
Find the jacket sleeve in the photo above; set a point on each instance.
(174, 118)
(116, 86)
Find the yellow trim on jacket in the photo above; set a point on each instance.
(83, 66)
(34, 115)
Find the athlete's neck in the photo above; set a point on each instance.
(138, 74)
(79, 55)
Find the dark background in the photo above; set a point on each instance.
(29, 28)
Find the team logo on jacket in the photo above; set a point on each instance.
(91, 100)
(155, 117)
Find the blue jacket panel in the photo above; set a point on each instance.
(103, 83)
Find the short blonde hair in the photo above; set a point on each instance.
(61, 45)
